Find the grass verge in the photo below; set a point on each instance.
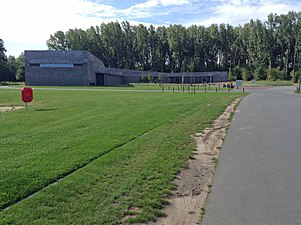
(268, 83)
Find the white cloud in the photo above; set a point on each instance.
(173, 2)
(26, 22)
(32, 21)
(237, 12)
(151, 8)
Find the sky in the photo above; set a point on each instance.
(28, 24)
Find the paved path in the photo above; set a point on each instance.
(258, 179)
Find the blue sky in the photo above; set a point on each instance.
(27, 24)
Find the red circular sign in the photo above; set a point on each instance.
(27, 94)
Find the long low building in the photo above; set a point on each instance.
(81, 68)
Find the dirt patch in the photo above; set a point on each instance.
(10, 108)
(194, 182)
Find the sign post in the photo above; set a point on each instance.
(238, 84)
(27, 95)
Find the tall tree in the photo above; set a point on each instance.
(254, 46)
(141, 47)
(57, 41)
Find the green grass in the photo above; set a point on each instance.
(176, 87)
(150, 86)
(114, 151)
(268, 83)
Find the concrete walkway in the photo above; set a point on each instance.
(258, 179)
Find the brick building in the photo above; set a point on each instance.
(81, 68)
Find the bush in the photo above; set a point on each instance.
(245, 74)
(295, 76)
(283, 75)
(273, 74)
(260, 73)
(231, 77)
(237, 73)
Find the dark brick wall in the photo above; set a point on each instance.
(85, 74)
(73, 76)
(133, 76)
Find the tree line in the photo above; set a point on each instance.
(256, 50)
(11, 69)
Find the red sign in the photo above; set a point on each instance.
(27, 95)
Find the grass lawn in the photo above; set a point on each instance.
(108, 155)
(151, 87)
(268, 83)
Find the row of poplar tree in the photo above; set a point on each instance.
(261, 50)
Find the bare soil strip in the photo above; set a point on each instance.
(194, 182)
(10, 108)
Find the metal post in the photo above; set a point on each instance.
(26, 106)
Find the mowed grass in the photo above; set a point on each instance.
(110, 156)
(268, 83)
(168, 87)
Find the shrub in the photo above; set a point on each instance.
(237, 72)
(260, 73)
(231, 77)
(295, 76)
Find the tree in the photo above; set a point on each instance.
(163, 60)
(141, 47)
(245, 74)
(129, 53)
(237, 73)
(260, 73)
(57, 41)
(176, 35)
(112, 38)
(20, 73)
(295, 76)
(5, 72)
(2, 52)
(272, 74)
(256, 45)
(230, 75)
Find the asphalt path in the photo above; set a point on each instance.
(258, 178)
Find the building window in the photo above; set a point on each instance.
(77, 64)
(64, 65)
(34, 64)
